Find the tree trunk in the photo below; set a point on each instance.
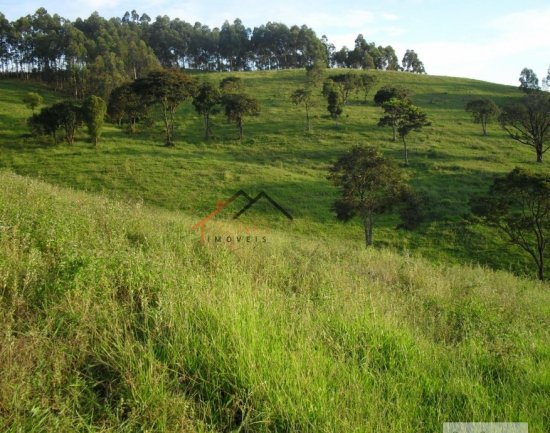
(540, 261)
(539, 152)
(206, 127)
(406, 151)
(484, 126)
(367, 224)
(167, 128)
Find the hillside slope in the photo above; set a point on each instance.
(450, 161)
(117, 318)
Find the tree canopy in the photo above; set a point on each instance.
(239, 105)
(95, 55)
(528, 121)
(529, 81)
(167, 88)
(483, 111)
(369, 185)
(518, 204)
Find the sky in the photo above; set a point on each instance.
(483, 39)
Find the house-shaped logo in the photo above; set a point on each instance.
(222, 204)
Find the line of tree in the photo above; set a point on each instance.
(526, 121)
(132, 102)
(95, 55)
(517, 204)
(69, 116)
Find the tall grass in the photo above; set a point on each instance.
(115, 318)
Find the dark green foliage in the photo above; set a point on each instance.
(169, 89)
(348, 82)
(388, 92)
(369, 185)
(45, 123)
(529, 81)
(411, 63)
(518, 204)
(367, 55)
(483, 111)
(237, 106)
(414, 210)
(206, 101)
(33, 100)
(528, 122)
(68, 115)
(335, 102)
(93, 113)
(126, 106)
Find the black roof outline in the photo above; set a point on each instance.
(253, 201)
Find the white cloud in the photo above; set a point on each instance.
(514, 41)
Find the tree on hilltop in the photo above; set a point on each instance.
(529, 81)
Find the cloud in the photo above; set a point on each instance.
(511, 42)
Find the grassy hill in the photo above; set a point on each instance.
(450, 161)
(115, 318)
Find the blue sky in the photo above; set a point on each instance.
(483, 39)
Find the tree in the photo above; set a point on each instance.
(93, 114)
(335, 103)
(125, 105)
(314, 72)
(206, 101)
(367, 83)
(518, 204)
(388, 92)
(528, 122)
(412, 119)
(403, 117)
(33, 100)
(369, 185)
(411, 63)
(68, 115)
(483, 111)
(46, 122)
(302, 96)
(168, 88)
(546, 80)
(529, 81)
(349, 82)
(237, 106)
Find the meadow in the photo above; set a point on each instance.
(450, 161)
(116, 318)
